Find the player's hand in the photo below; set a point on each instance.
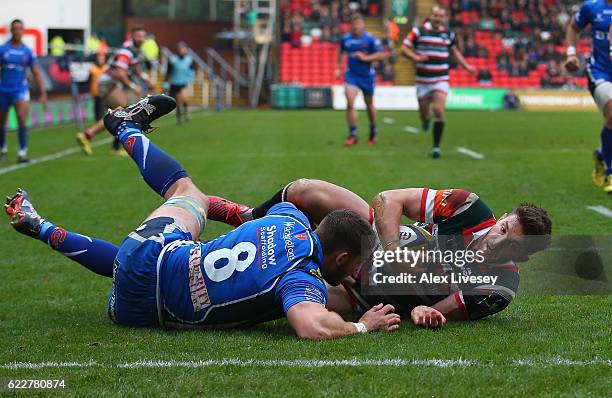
(381, 317)
(337, 73)
(470, 69)
(572, 63)
(420, 58)
(427, 317)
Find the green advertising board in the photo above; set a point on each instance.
(399, 11)
(476, 98)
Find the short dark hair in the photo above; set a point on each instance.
(344, 229)
(536, 225)
(136, 28)
(356, 16)
(14, 21)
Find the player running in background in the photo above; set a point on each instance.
(96, 70)
(361, 49)
(15, 59)
(430, 46)
(181, 69)
(458, 220)
(116, 84)
(272, 267)
(598, 14)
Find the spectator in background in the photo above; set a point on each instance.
(57, 46)
(484, 77)
(296, 30)
(511, 101)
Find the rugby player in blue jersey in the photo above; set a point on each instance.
(15, 59)
(269, 268)
(597, 14)
(362, 49)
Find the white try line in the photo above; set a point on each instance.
(313, 363)
(75, 149)
(411, 129)
(470, 153)
(388, 120)
(601, 210)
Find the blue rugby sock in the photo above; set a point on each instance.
(158, 169)
(2, 139)
(373, 131)
(23, 139)
(606, 148)
(94, 254)
(352, 131)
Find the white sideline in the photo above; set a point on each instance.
(312, 363)
(388, 120)
(470, 153)
(601, 210)
(70, 151)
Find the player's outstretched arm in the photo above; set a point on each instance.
(389, 206)
(314, 322)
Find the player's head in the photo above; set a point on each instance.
(139, 35)
(100, 59)
(345, 237)
(526, 230)
(17, 29)
(181, 48)
(437, 16)
(357, 24)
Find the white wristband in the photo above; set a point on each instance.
(361, 328)
(571, 50)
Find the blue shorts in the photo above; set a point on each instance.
(7, 99)
(365, 84)
(133, 298)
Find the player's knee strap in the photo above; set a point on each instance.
(191, 205)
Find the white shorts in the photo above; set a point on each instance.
(602, 94)
(425, 90)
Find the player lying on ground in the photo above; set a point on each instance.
(599, 73)
(261, 271)
(459, 220)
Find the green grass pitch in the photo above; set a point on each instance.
(53, 310)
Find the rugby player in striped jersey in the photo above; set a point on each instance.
(430, 46)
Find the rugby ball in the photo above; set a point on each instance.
(414, 237)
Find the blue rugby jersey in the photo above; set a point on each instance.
(14, 62)
(597, 13)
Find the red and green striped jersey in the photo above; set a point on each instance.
(435, 43)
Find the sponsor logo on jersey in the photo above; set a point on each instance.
(316, 273)
(289, 245)
(197, 286)
(314, 295)
(57, 237)
(267, 245)
(129, 144)
(301, 236)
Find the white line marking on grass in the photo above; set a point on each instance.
(388, 120)
(313, 363)
(41, 365)
(601, 210)
(470, 153)
(411, 129)
(70, 151)
(300, 363)
(50, 157)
